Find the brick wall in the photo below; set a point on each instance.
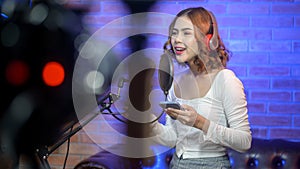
(264, 36)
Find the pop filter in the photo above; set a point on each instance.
(166, 72)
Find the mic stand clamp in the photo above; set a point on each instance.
(43, 154)
(111, 99)
(106, 105)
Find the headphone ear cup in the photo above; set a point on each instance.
(208, 40)
(214, 42)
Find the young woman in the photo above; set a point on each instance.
(214, 107)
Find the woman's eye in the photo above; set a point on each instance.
(173, 33)
(188, 33)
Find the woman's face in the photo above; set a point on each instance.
(183, 40)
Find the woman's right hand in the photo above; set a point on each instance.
(188, 116)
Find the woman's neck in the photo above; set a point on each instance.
(208, 70)
(211, 66)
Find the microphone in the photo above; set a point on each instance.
(121, 82)
(112, 96)
(166, 72)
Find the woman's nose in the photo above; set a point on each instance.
(177, 38)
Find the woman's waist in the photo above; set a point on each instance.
(200, 153)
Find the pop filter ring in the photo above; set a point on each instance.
(166, 73)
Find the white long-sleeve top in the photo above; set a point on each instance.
(225, 106)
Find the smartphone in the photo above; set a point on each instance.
(167, 104)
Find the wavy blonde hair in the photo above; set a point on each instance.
(207, 59)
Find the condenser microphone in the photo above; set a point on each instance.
(166, 72)
(120, 85)
(121, 82)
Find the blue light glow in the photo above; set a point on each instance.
(160, 162)
(3, 15)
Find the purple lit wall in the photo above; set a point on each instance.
(264, 36)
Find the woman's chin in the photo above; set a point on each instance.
(180, 59)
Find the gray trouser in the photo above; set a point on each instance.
(200, 163)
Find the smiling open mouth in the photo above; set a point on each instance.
(179, 50)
